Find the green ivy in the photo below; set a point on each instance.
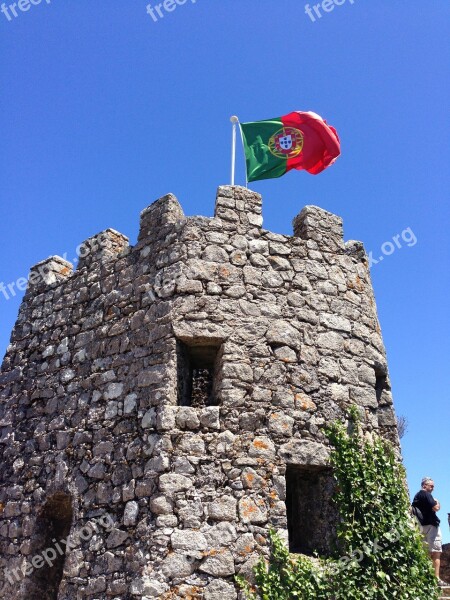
(285, 578)
(381, 553)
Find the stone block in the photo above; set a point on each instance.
(262, 447)
(223, 509)
(170, 483)
(192, 541)
(305, 453)
(252, 510)
(131, 514)
(220, 564)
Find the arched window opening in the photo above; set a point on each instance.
(53, 526)
(380, 383)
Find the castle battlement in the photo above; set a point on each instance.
(170, 399)
(238, 211)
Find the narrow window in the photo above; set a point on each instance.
(197, 374)
(311, 514)
(52, 529)
(380, 383)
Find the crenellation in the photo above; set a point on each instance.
(181, 387)
(238, 209)
(48, 272)
(103, 246)
(320, 226)
(156, 218)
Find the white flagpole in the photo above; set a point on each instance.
(235, 121)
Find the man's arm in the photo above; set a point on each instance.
(433, 504)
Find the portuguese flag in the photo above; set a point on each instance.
(299, 140)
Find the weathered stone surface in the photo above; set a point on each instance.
(286, 354)
(305, 452)
(210, 417)
(252, 510)
(177, 566)
(74, 563)
(223, 509)
(116, 538)
(219, 564)
(262, 447)
(150, 376)
(130, 403)
(149, 588)
(131, 514)
(187, 418)
(188, 540)
(281, 424)
(171, 483)
(222, 534)
(165, 420)
(220, 590)
(149, 419)
(215, 254)
(158, 399)
(192, 444)
(114, 390)
(445, 563)
(282, 333)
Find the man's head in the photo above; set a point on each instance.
(427, 484)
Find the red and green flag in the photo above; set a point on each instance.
(299, 140)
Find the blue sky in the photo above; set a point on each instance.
(105, 109)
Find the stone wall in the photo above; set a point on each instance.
(445, 563)
(170, 501)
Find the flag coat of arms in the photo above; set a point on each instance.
(299, 140)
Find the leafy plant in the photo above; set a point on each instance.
(381, 553)
(284, 577)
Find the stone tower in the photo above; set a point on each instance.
(162, 406)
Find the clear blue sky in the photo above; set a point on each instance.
(105, 109)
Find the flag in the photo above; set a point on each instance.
(299, 140)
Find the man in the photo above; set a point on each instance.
(431, 531)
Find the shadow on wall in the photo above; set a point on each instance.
(311, 513)
(53, 525)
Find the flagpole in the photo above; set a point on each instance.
(234, 121)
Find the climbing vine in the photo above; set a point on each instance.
(380, 554)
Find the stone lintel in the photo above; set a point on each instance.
(305, 453)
